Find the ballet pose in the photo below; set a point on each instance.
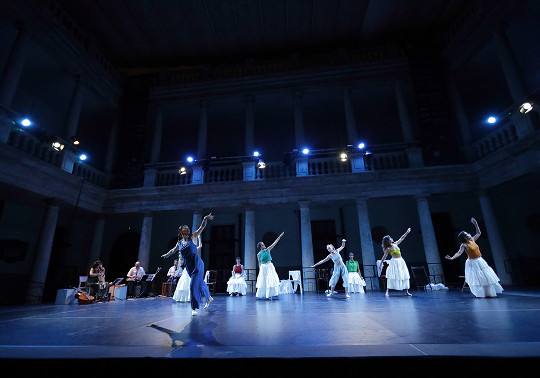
(480, 277)
(194, 264)
(340, 270)
(397, 273)
(267, 280)
(237, 284)
(181, 293)
(356, 282)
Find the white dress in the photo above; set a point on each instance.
(481, 278)
(267, 281)
(237, 283)
(397, 274)
(181, 294)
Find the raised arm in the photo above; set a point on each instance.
(478, 232)
(202, 226)
(457, 254)
(322, 261)
(342, 246)
(275, 242)
(403, 236)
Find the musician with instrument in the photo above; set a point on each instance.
(134, 277)
(96, 280)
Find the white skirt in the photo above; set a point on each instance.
(181, 294)
(267, 281)
(397, 274)
(482, 280)
(356, 283)
(237, 284)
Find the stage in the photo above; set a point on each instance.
(307, 329)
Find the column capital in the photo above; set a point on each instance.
(304, 204)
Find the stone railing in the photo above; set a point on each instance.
(501, 137)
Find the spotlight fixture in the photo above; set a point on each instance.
(83, 157)
(26, 122)
(75, 141)
(305, 151)
(343, 156)
(256, 153)
(525, 107)
(361, 145)
(190, 159)
(491, 120)
(182, 170)
(261, 164)
(57, 145)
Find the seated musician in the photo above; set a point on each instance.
(96, 281)
(174, 273)
(134, 277)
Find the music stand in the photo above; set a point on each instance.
(115, 283)
(147, 278)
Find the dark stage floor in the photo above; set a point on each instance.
(307, 329)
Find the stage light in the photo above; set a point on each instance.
(525, 107)
(305, 151)
(26, 122)
(256, 153)
(261, 164)
(75, 141)
(190, 159)
(361, 145)
(182, 170)
(491, 120)
(343, 156)
(57, 145)
(83, 157)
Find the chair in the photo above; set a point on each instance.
(420, 277)
(82, 284)
(321, 275)
(296, 278)
(210, 278)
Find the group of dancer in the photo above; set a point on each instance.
(191, 286)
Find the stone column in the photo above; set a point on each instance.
(74, 114)
(38, 275)
(430, 242)
(369, 260)
(514, 80)
(9, 81)
(145, 243)
(203, 131)
(298, 120)
(497, 246)
(350, 119)
(97, 240)
(157, 135)
(249, 127)
(308, 283)
(250, 248)
(404, 114)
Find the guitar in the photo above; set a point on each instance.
(83, 297)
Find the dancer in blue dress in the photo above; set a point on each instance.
(193, 263)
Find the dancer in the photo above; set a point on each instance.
(339, 268)
(397, 273)
(181, 293)
(237, 284)
(267, 280)
(356, 282)
(480, 277)
(193, 263)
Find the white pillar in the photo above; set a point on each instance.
(369, 259)
(38, 275)
(14, 66)
(428, 236)
(497, 246)
(145, 243)
(250, 248)
(307, 246)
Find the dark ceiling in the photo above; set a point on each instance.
(159, 33)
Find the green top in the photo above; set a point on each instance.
(265, 256)
(352, 266)
(395, 252)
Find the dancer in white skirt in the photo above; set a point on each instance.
(397, 273)
(267, 280)
(480, 277)
(237, 284)
(356, 282)
(181, 294)
(340, 270)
